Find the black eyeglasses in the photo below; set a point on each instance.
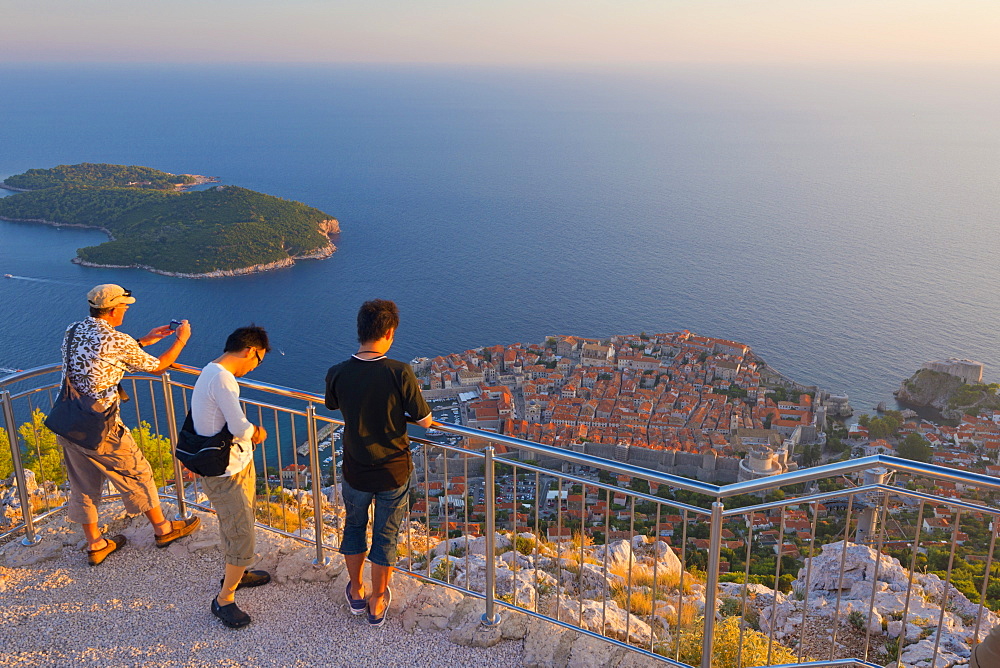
(257, 355)
(126, 293)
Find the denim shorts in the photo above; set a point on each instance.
(390, 508)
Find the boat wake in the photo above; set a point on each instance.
(39, 280)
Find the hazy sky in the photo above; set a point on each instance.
(501, 31)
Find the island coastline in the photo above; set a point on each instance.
(329, 227)
(199, 180)
(321, 254)
(52, 223)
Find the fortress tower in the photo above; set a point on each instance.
(968, 370)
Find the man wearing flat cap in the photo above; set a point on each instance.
(95, 358)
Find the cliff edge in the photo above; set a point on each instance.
(947, 393)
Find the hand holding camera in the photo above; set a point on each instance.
(179, 328)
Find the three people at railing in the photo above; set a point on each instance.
(215, 406)
(95, 359)
(375, 395)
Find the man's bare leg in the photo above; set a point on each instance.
(161, 525)
(355, 568)
(95, 541)
(227, 594)
(380, 582)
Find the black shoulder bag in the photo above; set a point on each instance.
(78, 418)
(204, 455)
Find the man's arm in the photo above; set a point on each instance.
(170, 355)
(331, 396)
(415, 405)
(227, 398)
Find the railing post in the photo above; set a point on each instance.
(168, 406)
(491, 617)
(30, 538)
(316, 477)
(712, 584)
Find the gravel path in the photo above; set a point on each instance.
(150, 607)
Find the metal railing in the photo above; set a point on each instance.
(683, 571)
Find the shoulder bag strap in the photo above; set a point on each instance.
(70, 339)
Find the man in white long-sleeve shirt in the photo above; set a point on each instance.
(215, 403)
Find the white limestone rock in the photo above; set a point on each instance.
(501, 543)
(589, 652)
(452, 544)
(16, 555)
(920, 654)
(896, 627)
(298, 565)
(619, 552)
(666, 557)
(546, 645)
(859, 566)
(430, 609)
(605, 618)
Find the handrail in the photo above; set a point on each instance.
(897, 464)
(494, 522)
(280, 390)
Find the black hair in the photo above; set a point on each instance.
(100, 312)
(250, 336)
(376, 318)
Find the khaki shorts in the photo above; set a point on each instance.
(987, 653)
(117, 459)
(232, 497)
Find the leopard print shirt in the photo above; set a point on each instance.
(100, 357)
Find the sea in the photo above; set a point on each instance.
(842, 221)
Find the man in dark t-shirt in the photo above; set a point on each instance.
(375, 395)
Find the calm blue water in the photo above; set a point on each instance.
(844, 224)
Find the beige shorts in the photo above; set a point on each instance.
(987, 653)
(232, 497)
(117, 459)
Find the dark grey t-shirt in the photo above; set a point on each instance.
(375, 397)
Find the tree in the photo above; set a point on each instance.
(6, 462)
(916, 448)
(810, 454)
(639, 485)
(41, 452)
(157, 450)
(43, 455)
(775, 495)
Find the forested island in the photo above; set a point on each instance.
(100, 175)
(154, 224)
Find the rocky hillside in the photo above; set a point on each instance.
(635, 591)
(949, 394)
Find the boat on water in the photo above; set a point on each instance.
(8, 276)
(433, 432)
